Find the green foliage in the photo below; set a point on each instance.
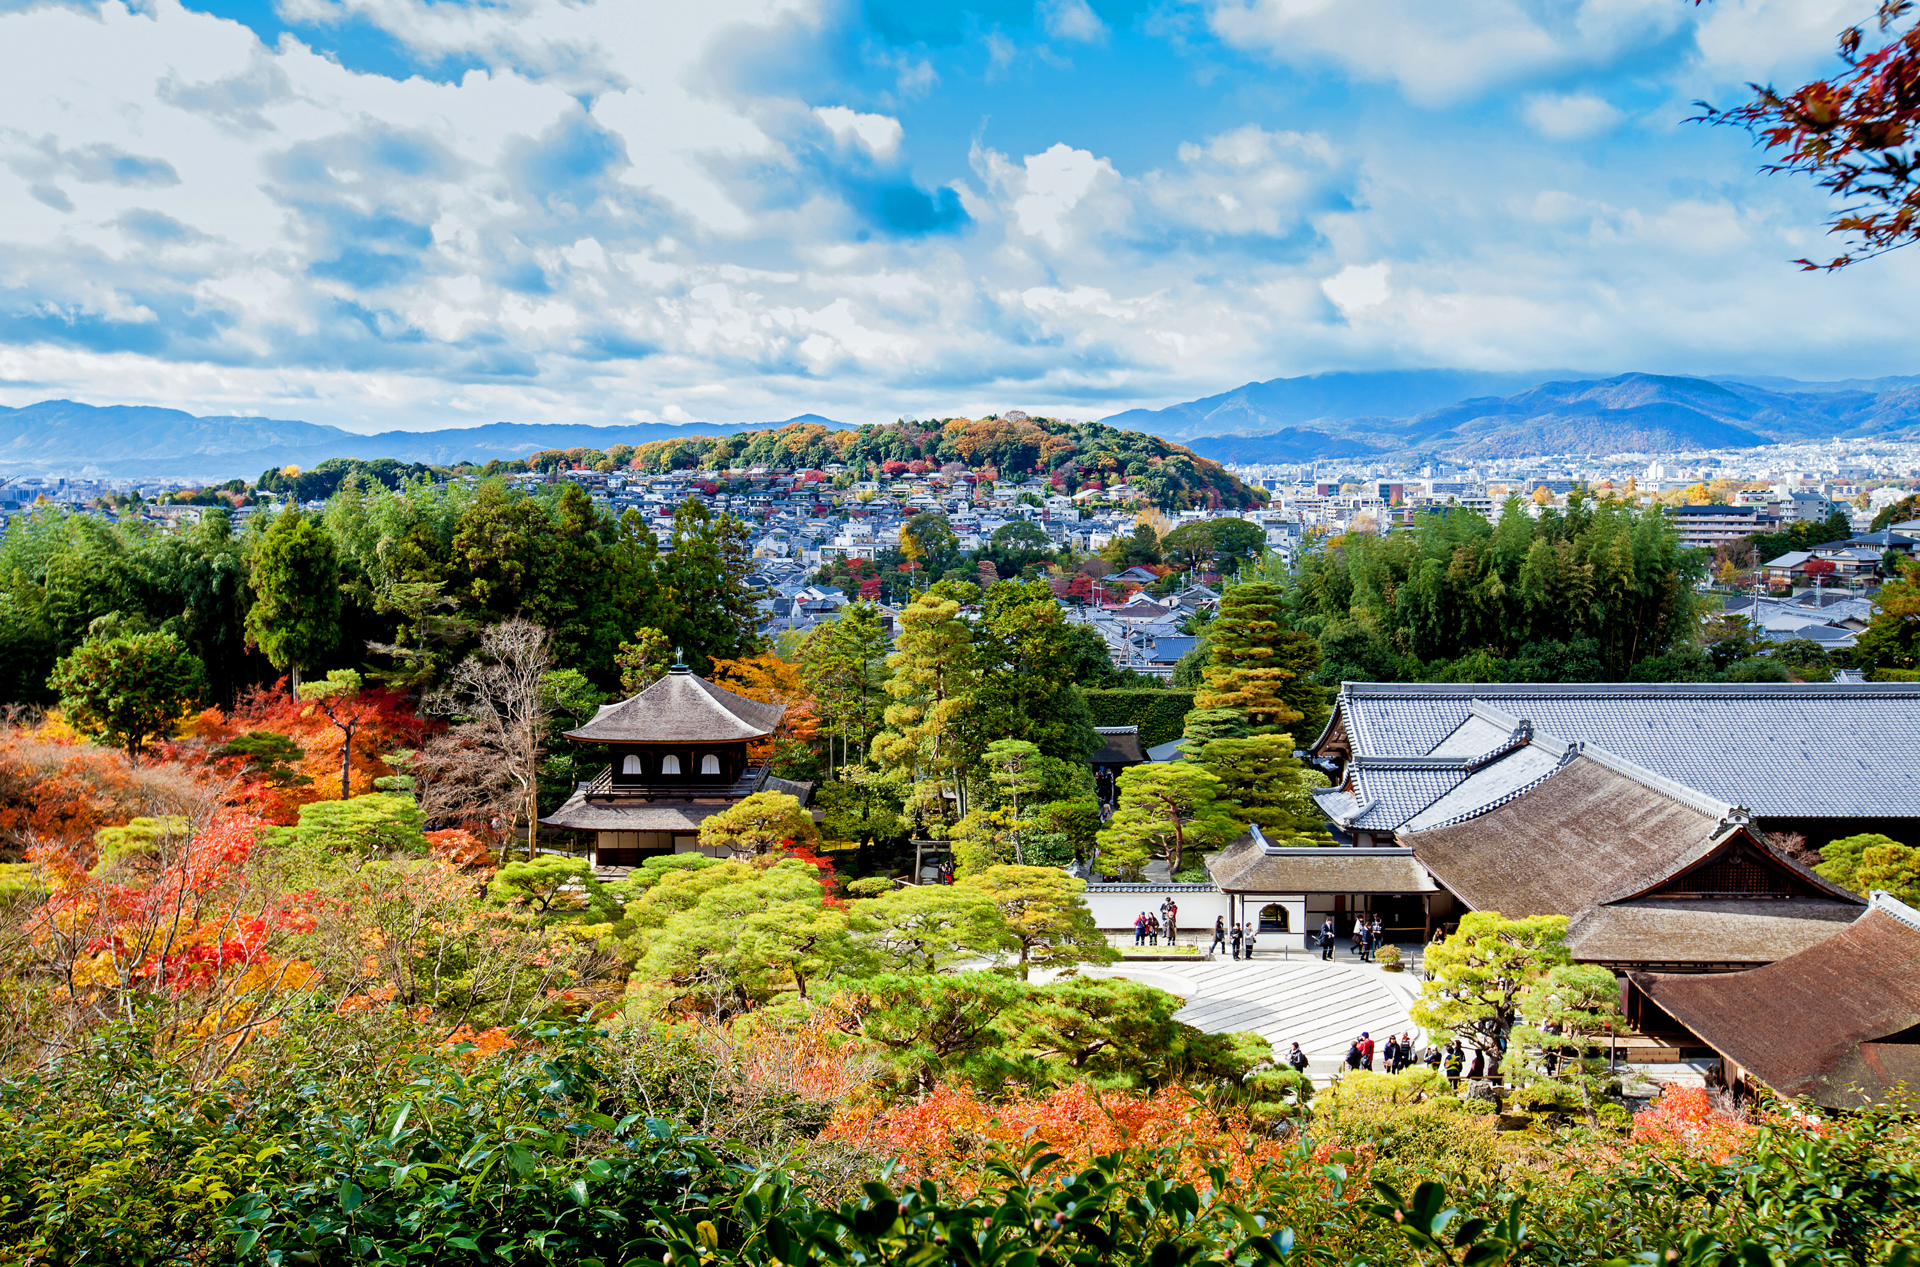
(759, 824)
(1892, 638)
(725, 938)
(1476, 978)
(295, 572)
(1046, 915)
(1159, 714)
(1259, 666)
(268, 756)
(138, 839)
(1840, 859)
(1388, 608)
(925, 928)
(377, 825)
(1266, 784)
(1903, 511)
(643, 661)
(844, 664)
(551, 885)
(1566, 1016)
(128, 691)
(1167, 810)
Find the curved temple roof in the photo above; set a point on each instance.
(1781, 750)
(681, 708)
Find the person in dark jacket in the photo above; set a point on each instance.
(1296, 1059)
(1327, 938)
(1390, 1055)
(1219, 935)
(1238, 936)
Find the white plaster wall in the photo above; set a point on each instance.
(1116, 906)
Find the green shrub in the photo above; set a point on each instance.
(1159, 714)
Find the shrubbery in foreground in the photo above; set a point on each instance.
(353, 1145)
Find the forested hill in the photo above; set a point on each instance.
(1071, 455)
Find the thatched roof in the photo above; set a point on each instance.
(581, 814)
(1722, 932)
(1250, 865)
(681, 708)
(1838, 1022)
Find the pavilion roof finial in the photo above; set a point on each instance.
(680, 662)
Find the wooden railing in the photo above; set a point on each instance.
(604, 788)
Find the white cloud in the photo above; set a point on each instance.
(1048, 188)
(1358, 287)
(879, 133)
(1439, 53)
(1071, 20)
(1570, 116)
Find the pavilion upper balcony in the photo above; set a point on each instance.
(607, 790)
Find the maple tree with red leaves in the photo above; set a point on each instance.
(1853, 133)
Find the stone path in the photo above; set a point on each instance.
(1320, 1005)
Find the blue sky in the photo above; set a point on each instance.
(389, 213)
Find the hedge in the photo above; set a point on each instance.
(1160, 715)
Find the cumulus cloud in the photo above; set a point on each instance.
(739, 211)
(879, 134)
(1570, 116)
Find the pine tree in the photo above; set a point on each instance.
(1260, 776)
(1259, 666)
(931, 730)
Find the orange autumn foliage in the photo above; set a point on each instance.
(1690, 1121)
(56, 789)
(946, 1135)
(771, 680)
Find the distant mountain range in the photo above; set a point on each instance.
(1455, 414)
(65, 437)
(1376, 414)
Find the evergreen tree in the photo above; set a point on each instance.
(295, 618)
(1028, 655)
(703, 580)
(128, 691)
(844, 663)
(932, 733)
(1267, 785)
(1167, 810)
(1259, 666)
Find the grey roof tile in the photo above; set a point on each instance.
(1801, 750)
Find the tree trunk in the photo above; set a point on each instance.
(293, 677)
(346, 763)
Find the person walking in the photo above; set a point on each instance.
(1140, 929)
(1173, 921)
(1153, 929)
(1296, 1059)
(1327, 938)
(1406, 1051)
(1366, 1051)
(1252, 931)
(1219, 935)
(1360, 939)
(1390, 1055)
(1377, 935)
(1238, 936)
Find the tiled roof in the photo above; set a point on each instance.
(1801, 750)
(673, 816)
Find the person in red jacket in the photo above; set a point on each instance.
(1366, 1051)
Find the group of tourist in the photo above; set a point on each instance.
(1239, 936)
(1149, 926)
(1367, 938)
(1398, 1054)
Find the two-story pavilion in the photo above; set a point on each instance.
(678, 753)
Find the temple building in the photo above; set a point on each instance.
(1837, 1023)
(1821, 760)
(678, 752)
(1651, 873)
